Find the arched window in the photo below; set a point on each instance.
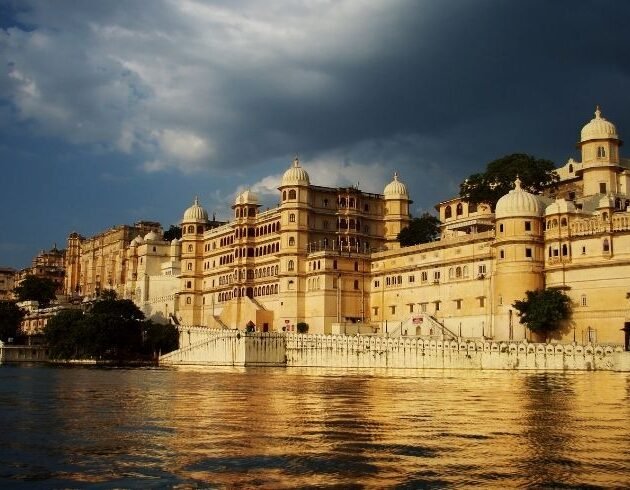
(291, 241)
(565, 250)
(571, 168)
(292, 194)
(189, 267)
(292, 218)
(189, 284)
(458, 272)
(191, 229)
(356, 266)
(460, 209)
(606, 245)
(190, 248)
(601, 152)
(290, 265)
(563, 222)
(465, 271)
(451, 273)
(356, 284)
(284, 195)
(188, 300)
(448, 212)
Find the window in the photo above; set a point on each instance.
(482, 301)
(188, 300)
(292, 194)
(528, 253)
(334, 264)
(189, 284)
(424, 276)
(501, 228)
(189, 267)
(377, 284)
(602, 187)
(459, 210)
(356, 284)
(375, 309)
(291, 265)
(571, 196)
(448, 212)
(528, 226)
(423, 307)
(291, 241)
(583, 250)
(325, 203)
(570, 168)
(563, 222)
(606, 245)
(601, 152)
(583, 300)
(284, 195)
(501, 254)
(412, 278)
(393, 309)
(437, 305)
(356, 266)
(481, 269)
(458, 304)
(500, 300)
(292, 218)
(436, 276)
(565, 250)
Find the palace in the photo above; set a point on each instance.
(329, 257)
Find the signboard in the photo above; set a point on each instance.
(287, 321)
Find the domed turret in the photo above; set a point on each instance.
(598, 128)
(395, 189)
(295, 175)
(560, 206)
(246, 197)
(137, 241)
(519, 203)
(152, 236)
(195, 212)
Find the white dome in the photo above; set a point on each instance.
(175, 241)
(296, 175)
(560, 206)
(137, 241)
(246, 197)
(395, 189)
(195, 212)
(152, 236)
(518, 203)
(598, 128)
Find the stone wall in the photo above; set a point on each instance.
(233, 347)
(23, 353)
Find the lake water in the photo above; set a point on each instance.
(287, 428)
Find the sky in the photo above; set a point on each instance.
(118, 111)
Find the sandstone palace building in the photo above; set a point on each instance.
(329, 257)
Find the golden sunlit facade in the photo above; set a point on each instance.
(329, 257)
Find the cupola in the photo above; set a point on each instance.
(518, 203)
(195, 213)
(395, 189)
(598, 128)
(295, 175)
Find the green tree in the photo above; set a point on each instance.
(34, 288)
(108, 294)
(302, 327)
(159, 338)
(11, 316)
(544, 310)
(66, 335)
(172, 233)
(498, 179)
(424, 229)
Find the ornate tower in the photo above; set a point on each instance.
(519, 258)
(396, 213)
(599, 143)
(194, 224)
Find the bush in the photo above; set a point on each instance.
(302, 327)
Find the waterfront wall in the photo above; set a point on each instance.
(235, 348)
(227, 348)
(23, 353)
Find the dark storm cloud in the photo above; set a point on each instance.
(434, 89)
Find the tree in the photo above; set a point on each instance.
(172, 233)
(544, 310)
(108, 294)
(66, 335)
(159, 337)
(498, 179)
(11, 316)
(302, 327)
(424, 229)
(34, 288)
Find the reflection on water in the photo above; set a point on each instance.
(287, 428)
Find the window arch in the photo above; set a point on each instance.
(448, 213)
(189, 266)
(291, 241)
(292, 218)
(460, 209)
(563, 222)
(601, 152)
(606, 245)
(290, 265)
(292, 194)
